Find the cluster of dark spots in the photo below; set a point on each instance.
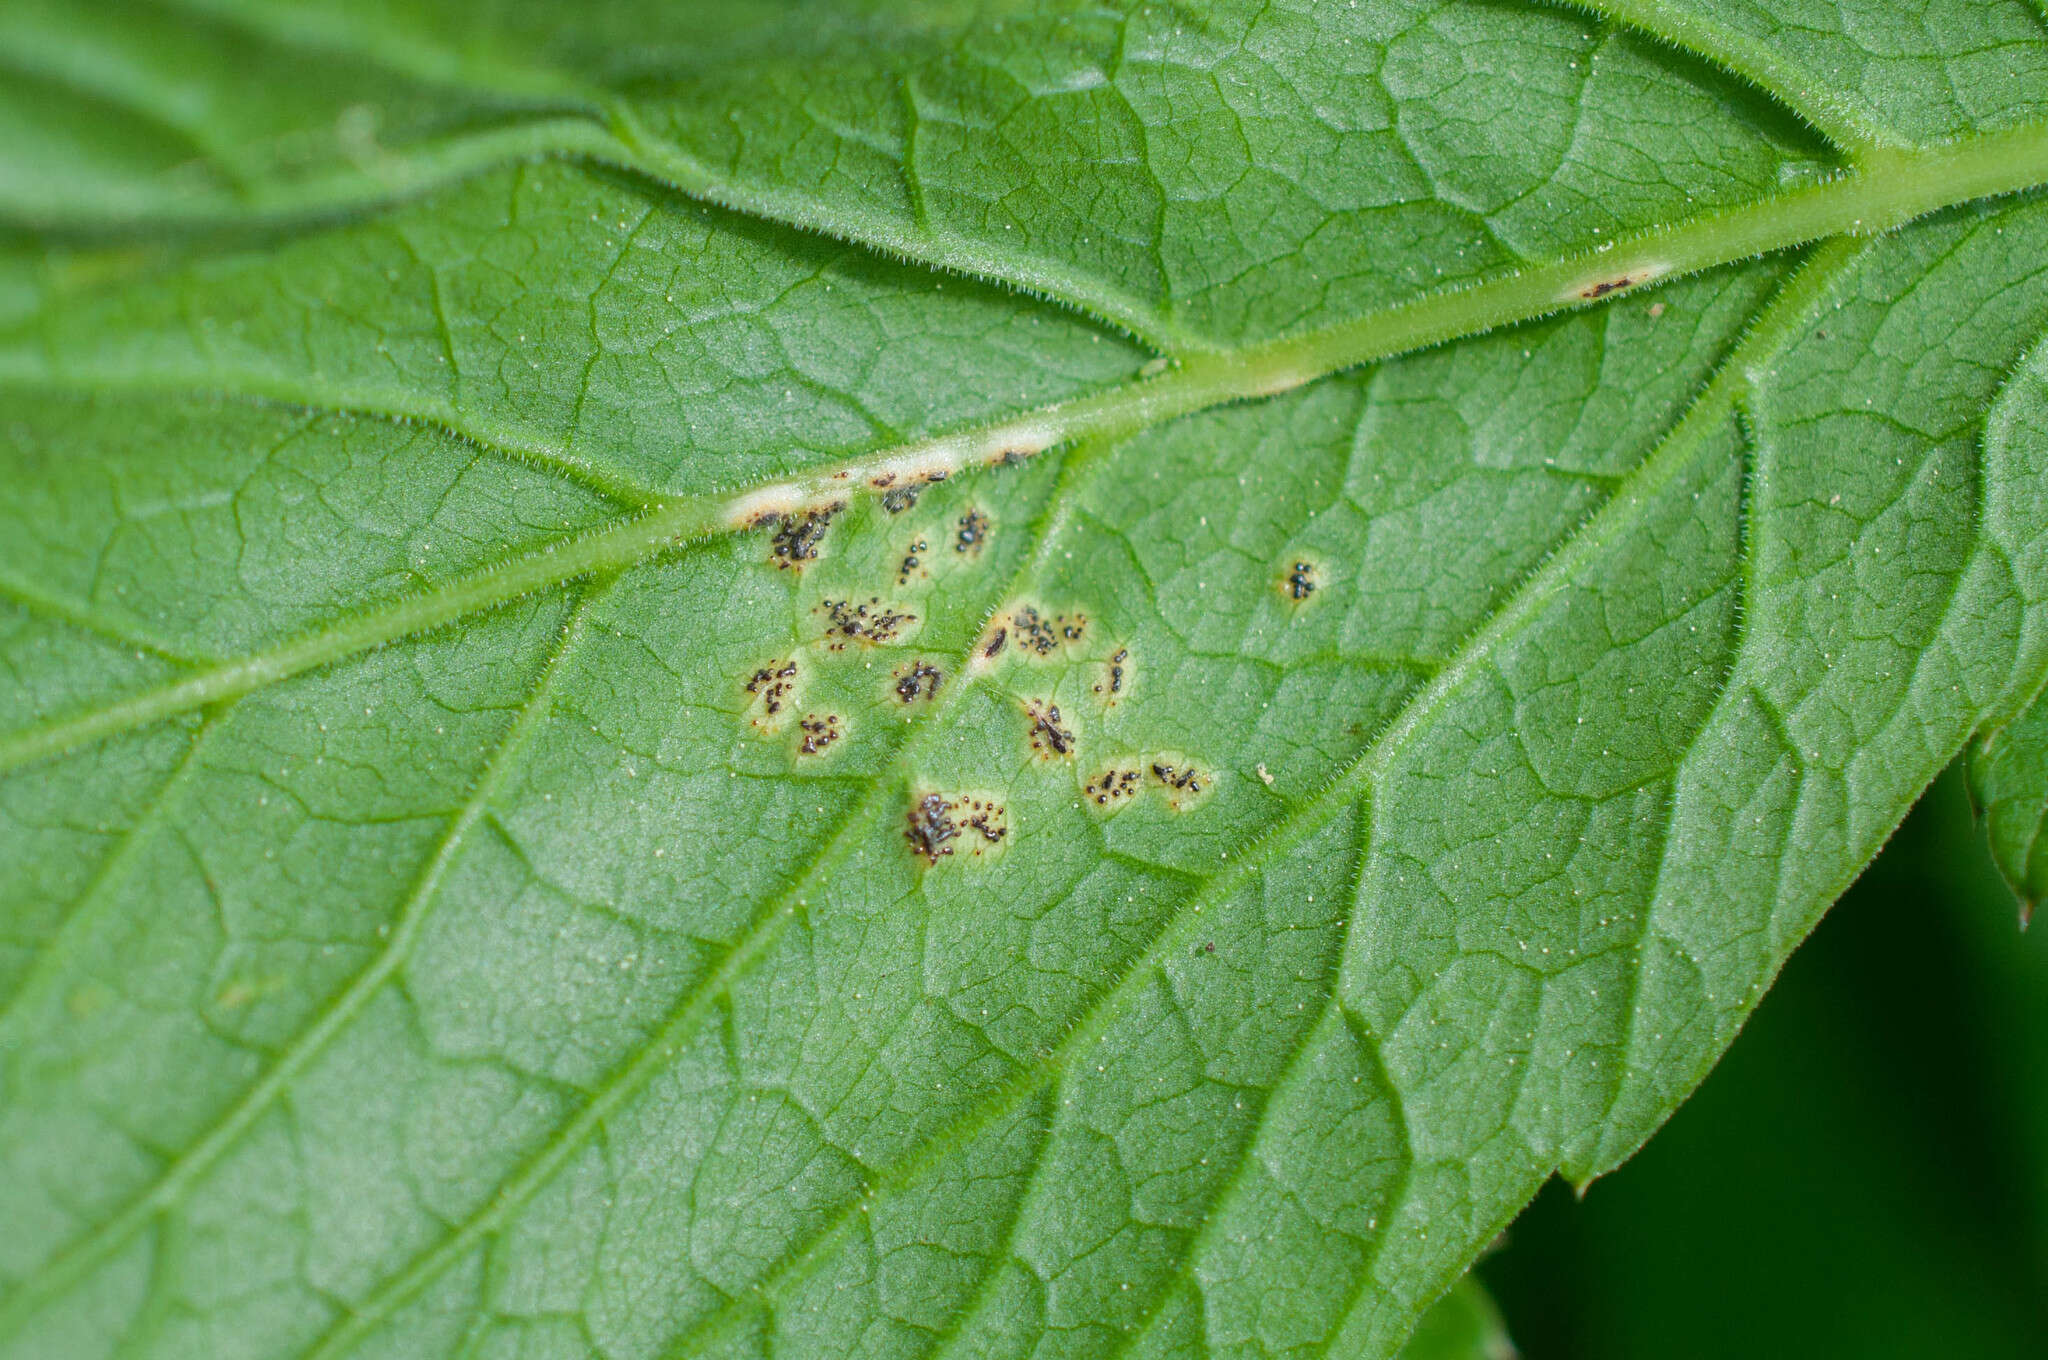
(931, 828)
(1182, 782)
(1112, 787)
(797, 536)
(972, 533)
(911, 560)
(896, 499)
(984, 817)
(1301, 581)
(1042, 634)
(1051, 738)
(818, 732)
(872, 623)
(936, 821)
(772, 684)
(1606, 286)
(1113, 673)
(918, 680)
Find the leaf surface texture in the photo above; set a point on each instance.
(944, 681)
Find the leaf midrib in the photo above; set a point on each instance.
(1894, 187)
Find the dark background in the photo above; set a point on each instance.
(1865, 1174)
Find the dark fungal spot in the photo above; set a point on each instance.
(896, 499)
(931, 830)
(818, 733)
(911, 560)
(872, 623)
(996, 643)
(918, 680)
(772, 684)
(972, 533)
(1042, 634)
(984, 818)
(1301, 581)
(1606, 286)
(935, 822)
(1113, 673)
(1181, 780)
(797, 536)
(1113, 787)
(1051, 738)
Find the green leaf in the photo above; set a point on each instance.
(1462, 1325)
(953, 679)
(1889, 1152)
(2008, 774)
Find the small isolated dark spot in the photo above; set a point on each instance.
(818, 732)
(797, 536)
(872, 623)
(1041, 634)
(1012, 457)
(1206, 947)
(1606, 286)
(1051, 738)
(996, 643)
(972, 533)
(936, 821)
(773, 683)
(1113, 787)
(911, 560)
(1113, 673)
(918, 680)
(1301, 581)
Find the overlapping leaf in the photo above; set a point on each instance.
(709, 681)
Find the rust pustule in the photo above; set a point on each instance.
(935, 822)
(871, 623)
(971, 533)
(931, 830)
(797, 536)
(772, 684)
(1301, 581)
(1113, 787)
(818, 732)
(912, 561)
(1051, 738)
(1041, 634)
(919, 680)
(1181, 780)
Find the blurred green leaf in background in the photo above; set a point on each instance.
(1863, 1174)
